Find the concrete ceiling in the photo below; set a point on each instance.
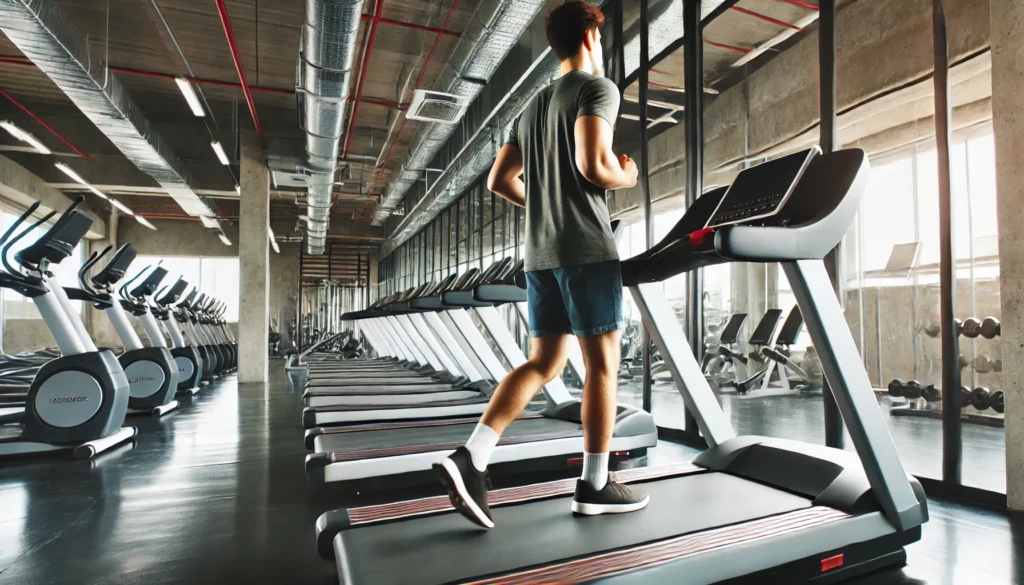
(143, 54)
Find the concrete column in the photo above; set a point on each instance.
(1008, 123)
(254, 263)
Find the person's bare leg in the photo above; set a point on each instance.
(547, 360)
(601, 356)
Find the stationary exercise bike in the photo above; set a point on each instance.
(78, 400)
(186, 356)
(152, 374)
(182, 313)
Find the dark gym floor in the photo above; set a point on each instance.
(216, 493)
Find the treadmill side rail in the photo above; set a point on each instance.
(842, 367)
(689, 379)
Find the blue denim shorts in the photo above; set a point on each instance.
(583, 300)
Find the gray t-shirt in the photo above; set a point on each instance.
(567, 221)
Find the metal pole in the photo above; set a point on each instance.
(951, 431)
(298, 305)
(646, 187)
(828, 139)
(693, 81)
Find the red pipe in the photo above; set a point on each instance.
(419, 79)
(226, 23)
(766, 18)
(45, 125)
(450, 33)
(362, 73)
(729, 47)
(801, 4)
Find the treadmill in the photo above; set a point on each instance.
(747, 509)
(536, 439)
(458, 336)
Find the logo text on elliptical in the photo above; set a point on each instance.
(65, 399)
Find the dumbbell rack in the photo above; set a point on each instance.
(920, 407)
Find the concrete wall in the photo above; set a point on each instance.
(884, 55)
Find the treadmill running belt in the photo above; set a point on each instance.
(383, 442)
(652, 554)
(447, 548)
(506, 496)
(354, 407)
(408, 425)
(430, 447)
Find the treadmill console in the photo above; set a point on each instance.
(762, 191)
(115, 269)
(58, 242)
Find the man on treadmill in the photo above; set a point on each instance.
(562, 147)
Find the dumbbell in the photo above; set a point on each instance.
(896, 388)
(983, 364)
(970, 328)
(997, 365)
(931, 330)
(962, 361)
(912, 390)
(991, 328)
(931, 393)
(981, 398)
(965, 396)
(996, 401)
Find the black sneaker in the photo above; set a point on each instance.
(467, 487)
(614, 498)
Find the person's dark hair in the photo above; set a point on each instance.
(569, 23)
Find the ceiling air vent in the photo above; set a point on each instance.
(435, 106)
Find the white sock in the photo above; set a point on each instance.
(481, 444)
(595, 469)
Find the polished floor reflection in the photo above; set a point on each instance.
(216, 494)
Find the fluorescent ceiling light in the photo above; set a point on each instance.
(273, 244)
(144, 222)
(121, 206)
(217, 148)
(24, 137)
(71, 173)
(190, 96)
(98, 193)
(270, 233)
(238, 189)
(209, 221)
(224, 239)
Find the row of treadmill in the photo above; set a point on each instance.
(747, 509)
(78, 399)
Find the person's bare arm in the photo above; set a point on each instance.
(504, 180)
(595, 159)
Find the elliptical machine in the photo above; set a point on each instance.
(77, 401)
(152, 375)
(186, 356)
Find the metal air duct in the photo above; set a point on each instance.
(41, 31)
(494, 29)
(324, 78)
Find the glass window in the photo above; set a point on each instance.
(218, 277)
(17, 306)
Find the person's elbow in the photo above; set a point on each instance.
(496, 183)
(593, 171)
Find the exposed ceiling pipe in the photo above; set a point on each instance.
(493, 30)
(43, 34)
(411, 25)
(324, 81)
(363, 74)
(380, 166)
(225, 22)
(45, 125)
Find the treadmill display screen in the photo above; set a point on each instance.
(762, 191)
